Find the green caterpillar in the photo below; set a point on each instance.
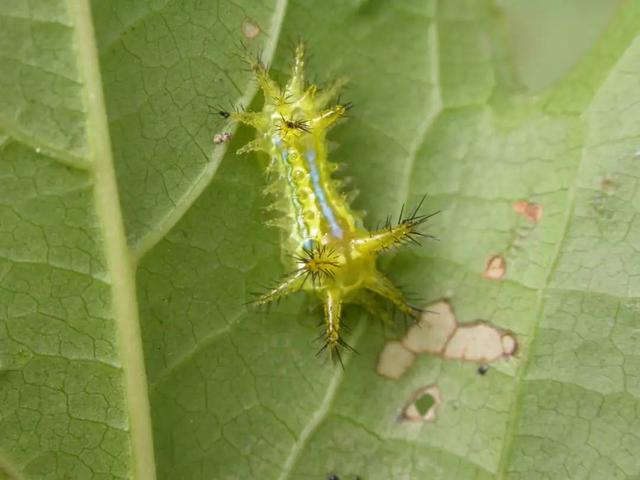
(334, 256)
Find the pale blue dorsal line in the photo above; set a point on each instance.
(327, 211)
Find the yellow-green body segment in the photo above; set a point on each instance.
(334, 257)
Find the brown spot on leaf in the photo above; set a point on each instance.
(530, 211)
(608, 184)
(496, 268)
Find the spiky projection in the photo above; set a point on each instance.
(334, 256)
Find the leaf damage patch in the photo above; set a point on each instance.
(608, 186)
(423, 406)
(250, 28)
(480, 343)
(528, 210)
(438, 332)
(434, 329)
(394, 360)
(496, 268)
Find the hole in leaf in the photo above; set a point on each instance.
(424, 403)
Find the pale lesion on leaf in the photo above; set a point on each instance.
(438, 332)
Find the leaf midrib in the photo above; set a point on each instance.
(119, 267)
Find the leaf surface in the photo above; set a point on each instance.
(100, 281)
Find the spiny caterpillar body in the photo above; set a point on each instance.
(334, 256)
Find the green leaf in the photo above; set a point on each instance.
(129, 242)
